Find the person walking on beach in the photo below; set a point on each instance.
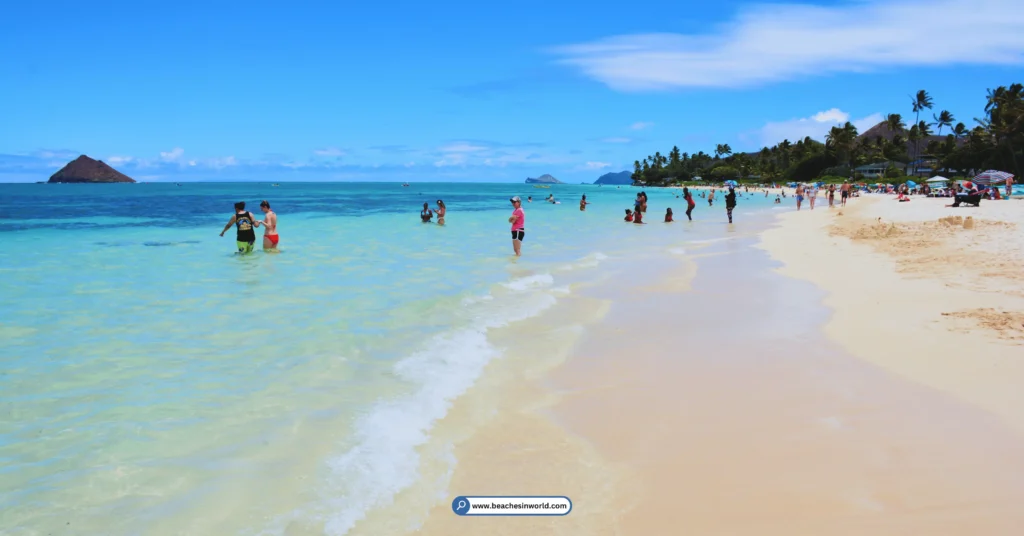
(518, 221)
(244, 222)
(668, 215)
(831, 195)
(813, 195)
(441, 210)
(426, 214)
(584, 203)
(270, 236)
(730, 202)
(690, 204)
(799, 195)
(844, 192)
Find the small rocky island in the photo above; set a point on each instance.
(544, 179)
(622, 177)
(85, 169)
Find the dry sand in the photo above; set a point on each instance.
(936, 301)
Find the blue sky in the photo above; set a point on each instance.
(469, 90)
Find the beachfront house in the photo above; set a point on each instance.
(874, 171)
(926, 166)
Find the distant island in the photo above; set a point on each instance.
(622, 177)
(86, 170)
(544, 179)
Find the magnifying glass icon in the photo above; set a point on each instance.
(461, 505)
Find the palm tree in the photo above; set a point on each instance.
(959, 131)
(919, 102)
(894, 122)
(944, 119)
(637, 171)
(723, 149)
(924, 129)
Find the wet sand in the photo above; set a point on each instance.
(700, 395)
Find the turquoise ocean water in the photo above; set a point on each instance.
(152, 381)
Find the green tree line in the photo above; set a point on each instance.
(996, 142)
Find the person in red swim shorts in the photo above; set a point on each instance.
(270, 236)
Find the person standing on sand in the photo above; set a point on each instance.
(730, 202)
(270, 236)
(690, 204)
(518, 221)
(584, 203)
(245, 236)
(831, 195)
(844, 192)
(441, 210)
(799, 195)
(1009, 187)
(813, 195)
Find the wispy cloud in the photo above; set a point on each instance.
(773, 42)
(815, 126)
(333, 152)
(173, 155)
(641, 125)
(596, 165)
(616, 139)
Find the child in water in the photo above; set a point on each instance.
(629, 215)
(668, 215)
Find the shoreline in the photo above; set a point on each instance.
(751, 420)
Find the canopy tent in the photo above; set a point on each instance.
(988, 177)
(937, 179)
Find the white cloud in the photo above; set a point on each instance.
(119, 160)
(329, 151)
(462, 147)
(173, 155)
(815, 126)
(615, 139)
(640, 125)
(771, 42)
(596, 165)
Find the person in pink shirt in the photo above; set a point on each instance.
(518, 221)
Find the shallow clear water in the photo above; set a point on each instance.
(150, 376)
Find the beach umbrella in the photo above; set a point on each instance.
(912, 184)
(730, 183)
(937, 179)
(988, 177)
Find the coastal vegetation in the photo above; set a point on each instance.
(995, 142)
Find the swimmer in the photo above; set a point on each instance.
(270, 236)
(518, 221)
(441, 210)
(584, 203)
(245, 236)
(668, 215)
(629, 215)
(426, 214)
(730, 202)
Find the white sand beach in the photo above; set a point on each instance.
(939, 303)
